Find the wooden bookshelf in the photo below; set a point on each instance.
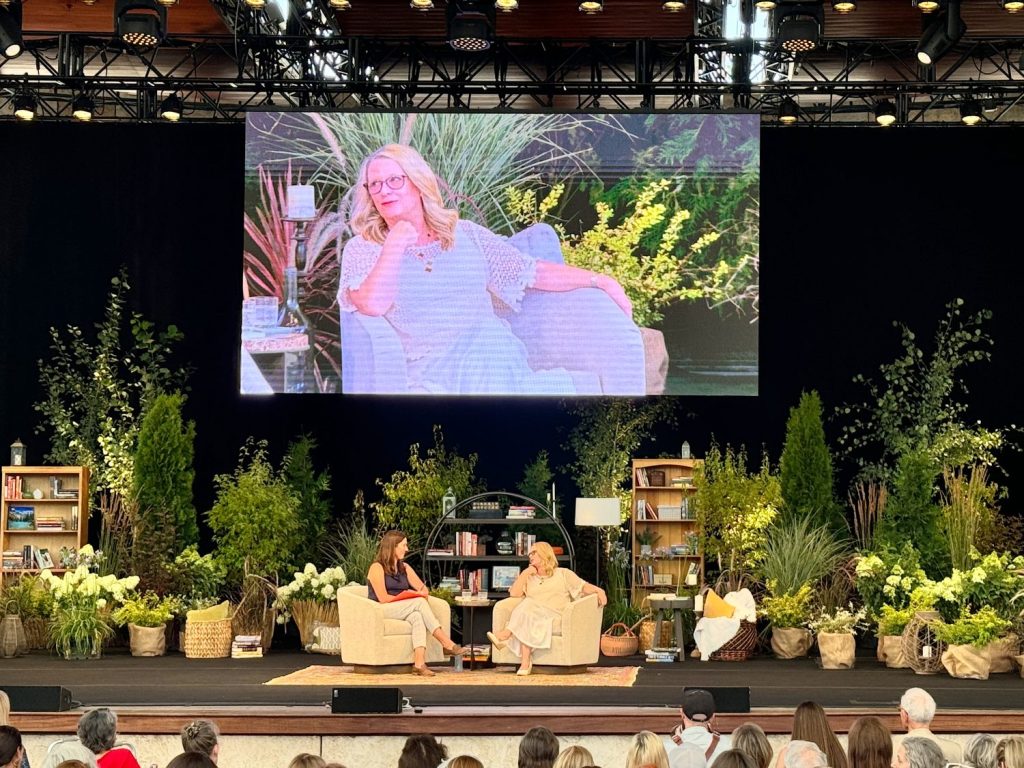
(52, 503)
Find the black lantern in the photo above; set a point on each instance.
(17, 453)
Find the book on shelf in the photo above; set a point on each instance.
(521, 512)
(641, 477)
(13, 560)
(441, 552)
(21, 518)
(13, 488)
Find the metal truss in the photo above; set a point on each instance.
(221, 78)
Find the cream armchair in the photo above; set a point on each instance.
(370, 642)
(576, 640)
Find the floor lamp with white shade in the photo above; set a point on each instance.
(598, 513)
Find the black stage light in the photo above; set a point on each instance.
(844, 6)
(885, 113)
(673, 6)
(470, 25)
(171, 109)
(941, 34)
(338, 5)
(798, 26)
(789, 111)
(1012, 6)
(421, 5)
(590, 7)
(765, 5)
(82, 107)
(506, 6)
(24, 105)
(970, 112)
(140, 23)
(927, 6)
(10, 30)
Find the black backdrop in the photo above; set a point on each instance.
(860, 227)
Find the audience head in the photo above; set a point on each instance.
(917, 708)
(810, 723)
(97, 729)
(72, 764)
(750, 738)
(698, 707)
(464, 761)
(192, 760)
(980, 751)
(869, 744)
(734, 758)
(538, 748)
(306, 760)
(646, 750)
(5, 709)
(10, 747)
(422, 750)
(201, 736)
(804, 754)
(1010, 752)
(574, 757)
(918, 753)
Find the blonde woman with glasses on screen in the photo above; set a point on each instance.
(433, 276)
(547, 590)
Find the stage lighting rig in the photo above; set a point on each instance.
(10, 30)
(470, 25)
(83, 107)
(885, 113)
(789, 111)
(941, 34)
(25, 104)
(798, 26)
(140, 23)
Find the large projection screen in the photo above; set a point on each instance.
(501, 254)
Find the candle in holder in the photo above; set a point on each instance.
(301, 204)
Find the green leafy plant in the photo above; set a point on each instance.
(311, 488)
(967, 507)
(913, 514)
(888, 576)
(796, 554)
(351, 544)
(978, 629)
(648, 537)
(805, 469)
(787, 609)
(79, 628)
(147, 609)
(537, 477)
(197, 580)
(27, 597)
(841, 620)
(892, 621)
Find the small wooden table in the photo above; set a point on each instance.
(469, 608)
(674, 607)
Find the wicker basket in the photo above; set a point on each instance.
(742, 645)
(307, 614)
(619, 645)
(647, 639)
(208, 639)
(37, 633)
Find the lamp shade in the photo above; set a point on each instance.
(598, 512)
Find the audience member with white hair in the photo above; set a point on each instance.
(980, 751)
(917, 710)
(803, 754)
(917, 752)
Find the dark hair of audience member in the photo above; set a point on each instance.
(869, 744)
(72, 764)
(192, 760)
(10, 743)
(421, 750)
(538, 748)
(811, 724)
(734, 758)
(464, 761)
(306, 760)
(750, 738)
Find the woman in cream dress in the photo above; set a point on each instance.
(547, 590)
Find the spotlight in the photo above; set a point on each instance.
(141, 23)
(10, 31)
(1012, 6)
(798, 26)
(82, 107)
(941, 34)
(171, 109)
(506, 6)
(844, 6)
(338, 5)
(970, 112)
(470, 25)
(256, 5)
(590, 7)
(885, 113)
(765, 5)
(673, 6)
(24, 105)
(421, 5)
(168, 3)
(927, 6)
(789, 111)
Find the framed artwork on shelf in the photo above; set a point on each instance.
(504, 576)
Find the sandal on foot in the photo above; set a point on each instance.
(423, 671)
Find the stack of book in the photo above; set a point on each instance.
(466, 543)
(13, 488)
(661, 655)
(50, 523)
(440, 552)
(247, 647)
(521, 512)
(13, 560)
(524, 541)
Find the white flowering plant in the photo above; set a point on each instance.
(992, 581)
(839, 621)
(888, 577)
(81, 585)
(71, 558)
(309, 585)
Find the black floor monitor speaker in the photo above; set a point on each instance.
(728, 698)
(361, 701)
(38, 698)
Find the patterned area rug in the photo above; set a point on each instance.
(614, 677)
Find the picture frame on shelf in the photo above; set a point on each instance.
(504, 576)
(45, 561)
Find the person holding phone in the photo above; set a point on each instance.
(394, 583)
(546, 589)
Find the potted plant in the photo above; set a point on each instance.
(835, 632)
(788, 614)
(966, 654)
(310, 598)
(82, 604)
(146, 616)
(30, 599)
(646, 539)
(891, 623)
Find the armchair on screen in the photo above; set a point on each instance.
(576, 635)
(371, 642)
(582, 331)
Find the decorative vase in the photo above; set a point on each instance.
(147, 641)
(83, 648)
(966, 661)
(838, 649)
(791, 642)
(922, 649)
(12, 637)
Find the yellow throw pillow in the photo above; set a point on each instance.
(715, 607)
(214, 613)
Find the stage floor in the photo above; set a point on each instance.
(120, 680)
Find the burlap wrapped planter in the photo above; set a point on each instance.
(966, 661)
(837, 650)
(890, 652)
(1001, 653)
(791, 642)
(147, 641)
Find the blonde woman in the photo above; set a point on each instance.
(435, 277)
(1010, 752)
(574, 757)
(646, 750)
(546, 590)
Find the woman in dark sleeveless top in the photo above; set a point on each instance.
(394, 584)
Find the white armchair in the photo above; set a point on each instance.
(576, 640)
(371, 642)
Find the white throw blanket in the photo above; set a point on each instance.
(712, 634)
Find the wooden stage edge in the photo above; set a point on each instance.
(488, 721)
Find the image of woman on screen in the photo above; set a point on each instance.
(547, 589)
(395, 584)
(435, 278)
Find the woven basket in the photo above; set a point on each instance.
(647, 639)
(619, 645)
(307, 614)
(742, 645)
(37, 633)
(208, 639)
